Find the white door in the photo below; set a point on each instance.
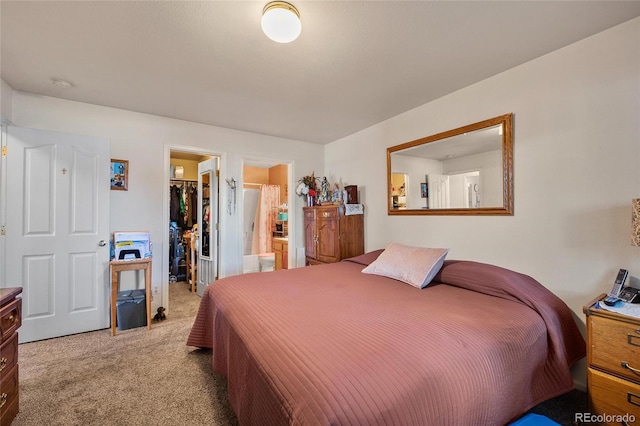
(57, 231)
(438, 191)
(208, 223)
(472, 183)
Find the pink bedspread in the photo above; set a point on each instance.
(328, 345)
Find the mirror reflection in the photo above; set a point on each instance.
(462, 171)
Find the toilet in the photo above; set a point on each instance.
(267, 261)
(250, 264)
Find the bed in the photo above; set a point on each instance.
(330, 345)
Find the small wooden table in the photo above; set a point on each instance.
(117, 266)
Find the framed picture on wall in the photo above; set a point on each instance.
(424, 190)
(119, 174)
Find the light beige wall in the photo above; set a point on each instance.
(6, 103)
(576, 156)
(255, 175)
(278, 176)
(144, 140)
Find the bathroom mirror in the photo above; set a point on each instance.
(464, 171)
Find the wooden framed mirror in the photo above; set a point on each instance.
(464, 171)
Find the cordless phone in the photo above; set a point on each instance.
(612, 297)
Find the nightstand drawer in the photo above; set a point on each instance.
(10, 318)
(8, 391)
(613, 396)
(8, 355)
(613, 343)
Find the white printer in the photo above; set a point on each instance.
(131, 245)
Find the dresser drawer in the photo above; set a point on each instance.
(327, 214)
(9, 395)
(10, 318)
(613, 343)
(8, 355)
(612, 396)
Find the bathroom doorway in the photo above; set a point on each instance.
(265, 217)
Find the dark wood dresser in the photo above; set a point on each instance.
(10, 320)
(331, 235)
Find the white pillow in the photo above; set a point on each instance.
(413, 265)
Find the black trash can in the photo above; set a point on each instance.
(131, 309)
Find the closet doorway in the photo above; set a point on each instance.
(265, 217)
(192, 213)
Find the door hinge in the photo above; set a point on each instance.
(217, 226)
(3, 230)
(4, 151)
(217, 173)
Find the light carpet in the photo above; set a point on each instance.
(138, 376)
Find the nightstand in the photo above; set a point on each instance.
(10, 321)
(613, 358)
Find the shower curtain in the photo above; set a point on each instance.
(265, 219)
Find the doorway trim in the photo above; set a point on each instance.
(165, 212)
(3, 203)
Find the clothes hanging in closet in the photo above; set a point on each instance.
(176, 208)
(194, 203)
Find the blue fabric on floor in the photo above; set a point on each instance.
(532, 419)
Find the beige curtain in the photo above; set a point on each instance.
(265, 219)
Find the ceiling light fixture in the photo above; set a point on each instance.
(281, 22)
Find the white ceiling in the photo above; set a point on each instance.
(355, 64)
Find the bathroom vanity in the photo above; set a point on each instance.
(281, 250)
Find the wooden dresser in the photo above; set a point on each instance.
(613, 358)
(10, 320)
(330, 235)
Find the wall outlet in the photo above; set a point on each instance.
(156, 290)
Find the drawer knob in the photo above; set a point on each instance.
(11, 318)
(3, 399)
(3, 363)
(625, 364)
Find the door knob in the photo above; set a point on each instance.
(102, 243)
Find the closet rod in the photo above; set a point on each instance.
(182, 180)
(253, 184)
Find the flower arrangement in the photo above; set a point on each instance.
(307, 186)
